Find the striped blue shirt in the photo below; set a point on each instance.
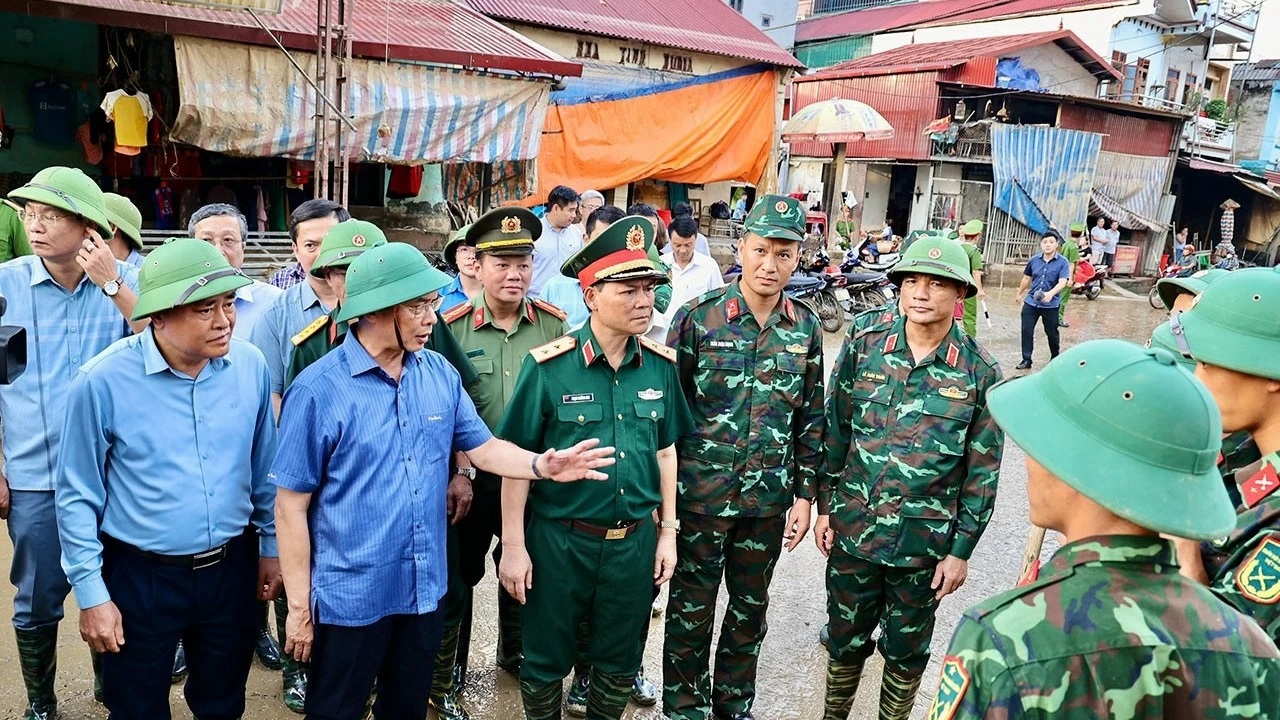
(375, 457)
(160, 460)
(274, 331)
(65, 329)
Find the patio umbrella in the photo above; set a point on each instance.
(837, 121)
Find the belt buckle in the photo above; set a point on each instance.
(200, 561)
(615, 533)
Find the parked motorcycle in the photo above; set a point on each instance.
(1170, 271)
(863, 291)
(1088, 279)
(819, 292)
(860, 256)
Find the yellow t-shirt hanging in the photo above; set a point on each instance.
(130, 114)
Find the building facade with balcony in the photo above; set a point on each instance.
(775, 18)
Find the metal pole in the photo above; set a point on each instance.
(293, 61)
(1208, 52)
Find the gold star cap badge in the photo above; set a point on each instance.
(510, 225)
(635, 239)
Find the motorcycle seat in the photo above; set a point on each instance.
(802, 282)
(858, 278)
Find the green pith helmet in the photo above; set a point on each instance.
(776, 217)
(183, 271)
(386, 276)
(622, 252)
(344, 243)
(125, 216)
(504, 231)
(972, 228)
(1152, 431)
(1235, 323)
(450, 251)
(1077, 228)
(936, 256)
(67, 189)
(1170, 288)
(1162, 337)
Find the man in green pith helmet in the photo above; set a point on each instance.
(1233, 332)
(970, 236)
(591, 551)
(912, 462)
(750, 364)
(497, 328)
(461, 258)
(1110, 607)
(126, 222)
(1069, 248)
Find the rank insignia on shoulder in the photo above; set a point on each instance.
(576, 398)
(650, 394)
(954, 393)
(555, 348)
(951, 689)
(457, 311)
(309, 330)
(1263, 483)
(1259, 577)
(796, 349)
(548, 307)
(658, 348)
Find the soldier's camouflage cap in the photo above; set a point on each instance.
(973, 227)
(939, 256)
(386, 276)
(776, 217)
(504, 231)
(621, 252)
(183, 271)
(1235, 323)
(1152, 433)
(1170, 288)
(344, 243)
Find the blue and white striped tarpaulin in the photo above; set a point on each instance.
(1043, 175)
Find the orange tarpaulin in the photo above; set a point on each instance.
(705, 130)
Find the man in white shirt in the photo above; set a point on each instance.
(561, 237)
(1098, 241)
(1113, 241)
(224, 227)
(680, 210)
(692, 273)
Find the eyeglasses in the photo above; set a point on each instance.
(418, 310)
(48, 219)
(229, 243)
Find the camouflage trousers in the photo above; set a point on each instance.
(743, 551)
(862, 594)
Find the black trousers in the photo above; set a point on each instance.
(398, 652)
(476, 535)
(214, 611)
(1047, 316)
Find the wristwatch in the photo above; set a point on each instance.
(670, 525)
(468, 472)
(111, 287)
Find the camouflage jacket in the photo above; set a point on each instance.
(756, 396)
(1110, 630)
(1244, 567)
(1238, 452)
(912, 453)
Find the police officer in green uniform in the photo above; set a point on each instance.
(970, 235)
(496, 328)
(1110, 629)
(593, 551)
(913, 458)
(1070, 249)
(750, 363)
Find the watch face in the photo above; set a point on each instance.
(111, 287)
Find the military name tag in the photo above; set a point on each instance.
(649, 394)
(954, 393)
(951, 689)
(721, 344)
(796, 349)
(478, 352)
(1259, 577)
(873, 376)
(578, 398)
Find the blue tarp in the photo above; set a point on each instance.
(1043, 175)
(602, 83)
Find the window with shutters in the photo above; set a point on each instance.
(588, 50)
(677, 63)
(634, 56)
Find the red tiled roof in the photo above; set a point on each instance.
(922, 57)
(887, 18)
(707, 26)
(434, 31)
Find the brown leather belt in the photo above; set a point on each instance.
(617, 532)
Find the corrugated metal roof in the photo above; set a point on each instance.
(946, 55)
(1261, 71)
(706, 26)
(934, 12)
(434, 31)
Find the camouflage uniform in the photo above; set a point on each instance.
(911, 470)
(756, 393)
(1109, 630)
(1239, 451)
(1244, 567)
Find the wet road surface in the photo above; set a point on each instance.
(793, 664)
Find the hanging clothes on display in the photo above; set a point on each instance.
(53, 103)
(162, 198)
(130, 113)
(406, 181)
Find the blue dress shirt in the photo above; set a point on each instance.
(1044, 275)
(453, 294)
(65, 329)
(375, 456)
(566, 294)
(135, 259)
(252, 302)
(273, 332)
(162, 461)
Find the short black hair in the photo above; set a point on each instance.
(684, 226)
(562, 195)
(608, 214)
(681, 210)
(643, 210)
(314, 210)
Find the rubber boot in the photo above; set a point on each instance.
(266, 647)
(842, 686)
(607, 698)
(96, 658)
(38, 656)
(897, 694)
(510, 637)
(444, 693)
(293, 686)
(541, 702)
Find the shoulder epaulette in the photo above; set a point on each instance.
(457, 311)
(310, 330)
(667, 352)
(981, 352)
(548, 307)
(555, 348)
(707, 296)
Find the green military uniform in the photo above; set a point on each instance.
(1235, 324)
(1071, 251)
(592, 544)
(756, 393)
(969, 233)
(13, 234)
(497, 355)
(1111, 629)
(911, 470)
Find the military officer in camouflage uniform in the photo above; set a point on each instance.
(1070, 249)
(1110, 629)
(591, 551)
(1233, 332)
(497, 328)
(970, 234)
(911, 468)
(750, 363)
